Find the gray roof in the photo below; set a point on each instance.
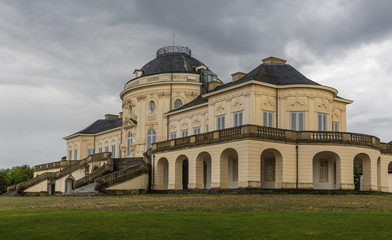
(197, 101)
(101, 125)
(277, 74)
(171, 63)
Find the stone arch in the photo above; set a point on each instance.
(162, 174)
(203, 171)
(271, 168)
(69, 184)
(362, 172)
(229, 168)
(181, 172)
(325, 170)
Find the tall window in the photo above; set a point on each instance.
(100, 150)
(107, 149)
(177, 103)
(220, 122)
(323, 170)
(322, 121)
(297, 121)
(237, 119)
(151, 137)
(173, 135)
(119, 150)
(90, 151)
(130, 110)
(335, 126)
(184, 133)
(113, 150)
(207, 128)
(69, 154)
(129, 143)
(196, 130)
(75, 154)
(268, 119)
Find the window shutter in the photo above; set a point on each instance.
(270, 124)
(301, 121)
(293, 121)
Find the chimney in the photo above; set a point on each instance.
(237, 76)
(273, 60)
(213, 85)
(111, 116)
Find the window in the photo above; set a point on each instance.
(107, 149)
(335, 126)
(196, 130)
(151, 106)
(268, 119)
(69, 154)
(323, 170)
(151, 137)
(235, 170)
(113, 150)
(269, 169)
(322, 121)
(206, 128)
(75, 154)
(130, 110)
(90, 151)
(237, 119)
(297, 121)
(220, 122)
(100, 150)
(173, 135)
(184, 133)
(119, 150)
(177, 103)
(129, 143)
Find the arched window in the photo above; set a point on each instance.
(177, 103)
(129, 144)
(151, 106)
(151, 137)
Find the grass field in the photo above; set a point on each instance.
(197, 217)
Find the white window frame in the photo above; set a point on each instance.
(335, 126)
(70, 154)
(322, 122)
(268, 118)
(295, 121)
(196, 130)
(173, 135)
(152, 106)
(207, 128)
(184, 133)
(119, 150)
(75, 154)
(237, 119)
(177, 103)
(220, 122)
(151, 138)
(113, 150)
(107, 149)
(129, 144)
(100, 150)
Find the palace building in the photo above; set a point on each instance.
(181, 127)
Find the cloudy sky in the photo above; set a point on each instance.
(64, 63)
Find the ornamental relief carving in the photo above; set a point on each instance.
(141, 97)
(184, 124)
(297, 105)
(173, 127)
(220, 108)
(237, 104)
(196, 122)
(233, 94)
(151, 124)
(128, 123)
(267, 103)
(336, 115)
(163, 94)
(322, 106)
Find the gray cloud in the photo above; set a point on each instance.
(64, 63)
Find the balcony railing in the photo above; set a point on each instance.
(276, 134)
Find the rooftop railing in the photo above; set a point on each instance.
(275, 134)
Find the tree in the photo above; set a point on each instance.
(357, 177)
(14, 175)
(4, 180)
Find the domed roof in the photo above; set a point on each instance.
(172, 59)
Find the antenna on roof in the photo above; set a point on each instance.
(173, 39)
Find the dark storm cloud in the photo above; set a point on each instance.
(63, 63)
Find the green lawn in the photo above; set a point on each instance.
(187, 217)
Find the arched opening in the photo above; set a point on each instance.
(129, 144)
(151, 138)
(51, 189)
(203, 171)
(162, 174)
(69, 185)
(324, 170)
(390, 177)
(362, 172)
(229, 169)
(271, 169)
(182, 172)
